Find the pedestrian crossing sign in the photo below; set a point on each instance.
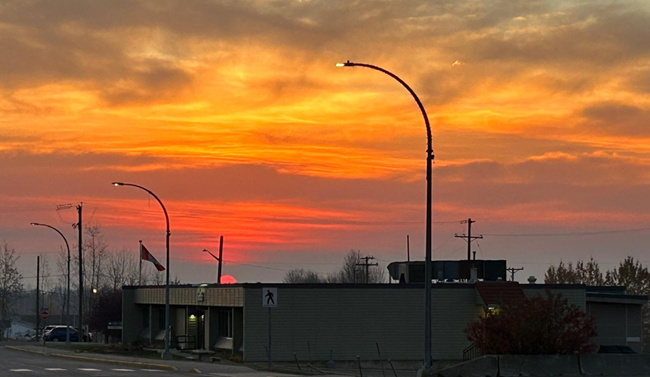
(270, 297)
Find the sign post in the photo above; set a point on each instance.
(269, 300)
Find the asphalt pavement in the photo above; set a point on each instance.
(31, 359)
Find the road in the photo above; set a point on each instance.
(17, 363)
(21, 363)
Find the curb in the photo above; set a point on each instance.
(25, 350)
(99, 360)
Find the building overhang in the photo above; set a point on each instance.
(617, 299)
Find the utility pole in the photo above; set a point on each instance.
(513, 271)
(367, 265)
(220, 260)
(81, 274)
(79, 227)
(38, 307)
(408, 249)
(468, 237)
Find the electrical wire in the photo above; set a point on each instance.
(573, 234)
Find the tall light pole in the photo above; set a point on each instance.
(427, 261)
(166, 354)
(218, 258)
(67, 309)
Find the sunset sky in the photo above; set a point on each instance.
(234, 114)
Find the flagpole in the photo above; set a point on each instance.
(140, 258)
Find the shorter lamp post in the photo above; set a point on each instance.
(219, 258)
(67, 309)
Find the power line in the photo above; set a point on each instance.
(596, 233)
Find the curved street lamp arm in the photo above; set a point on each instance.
(417, 100)
(150, 193)
(213, 256)
(67, 304)
(56, 230)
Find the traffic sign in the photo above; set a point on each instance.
(270, 297)
(45, 313)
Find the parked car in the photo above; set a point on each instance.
(59, 334)
(49, 328)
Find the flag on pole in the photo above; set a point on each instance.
(146, 255)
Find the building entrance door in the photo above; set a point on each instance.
(196, 327)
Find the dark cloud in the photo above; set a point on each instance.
(570, 183)
(640, 81)
(20, 161)
(617, 119)
(587, 34)
(90, 42)
(151, 81)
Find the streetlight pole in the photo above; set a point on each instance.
(218, 258)
(67, 309)
(427, 262)
(166, 354)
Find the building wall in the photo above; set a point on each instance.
(452, 310)
(618, 324)
(132, 317)
(319, 320)
(315, 321)
(216, 296)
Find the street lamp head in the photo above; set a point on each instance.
(206, 250)
(118, 183)
(346, 64)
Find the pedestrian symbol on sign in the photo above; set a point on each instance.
(269, 300)
(269, 297)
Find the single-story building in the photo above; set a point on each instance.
(340, 321)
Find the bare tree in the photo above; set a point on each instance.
(122, 268)
(300, 275)
(60, 290)
(95, 249)
(45, 282)
(351, 272)
(348, 272)
(11, 285)
(157, 278)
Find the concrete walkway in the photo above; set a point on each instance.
(225, 369)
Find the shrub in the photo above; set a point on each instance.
(536, 326)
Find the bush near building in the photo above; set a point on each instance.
(534, 326)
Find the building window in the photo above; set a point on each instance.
(145, 318)
(225, 323)
(161, 319)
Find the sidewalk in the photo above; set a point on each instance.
(191, 366)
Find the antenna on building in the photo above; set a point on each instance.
(408, 249)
